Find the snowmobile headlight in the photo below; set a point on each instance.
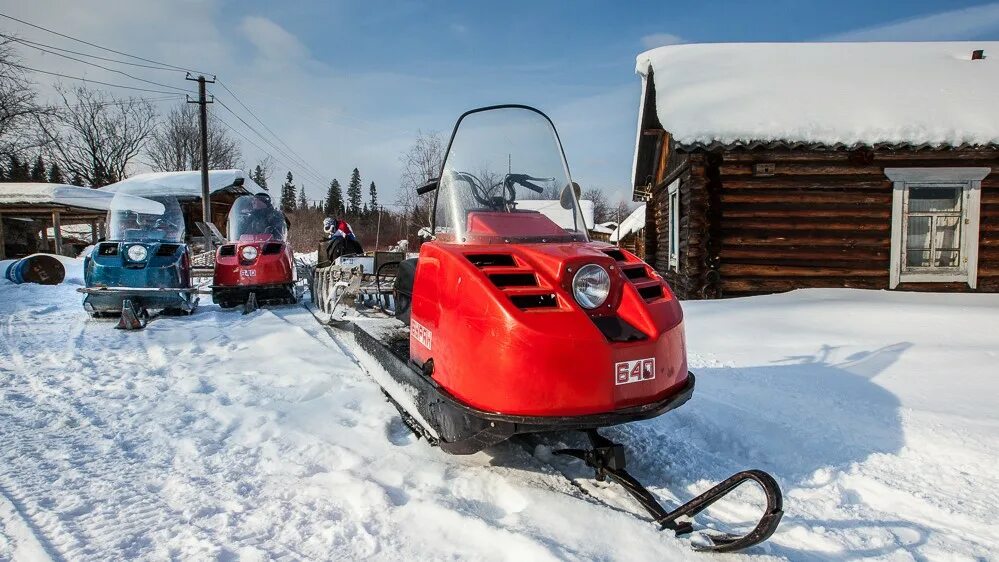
(249, 253)
(591, 285)
(137, 252)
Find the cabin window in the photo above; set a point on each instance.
(673, 208)
(935, 224)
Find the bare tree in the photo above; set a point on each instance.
(421, 163)
(176, 143)
(97, 136)
(601, 208)
(19, 108)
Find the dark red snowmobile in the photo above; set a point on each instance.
(257, 266)
(512, 323)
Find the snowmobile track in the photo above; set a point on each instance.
(606, 495)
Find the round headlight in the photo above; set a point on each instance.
(249, 253)
(590, 286)
(137, 253)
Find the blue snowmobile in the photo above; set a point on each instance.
(143, 265)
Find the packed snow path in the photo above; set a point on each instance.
(224, 436)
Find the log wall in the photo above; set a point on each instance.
(823, 219)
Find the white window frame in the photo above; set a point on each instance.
(673, 207)
(970, 180)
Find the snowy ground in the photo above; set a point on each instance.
(224, 436)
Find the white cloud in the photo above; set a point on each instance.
(965, 23)
(660, 40)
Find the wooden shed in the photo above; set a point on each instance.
(34, 217)
(771, 167)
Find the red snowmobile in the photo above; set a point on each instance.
(257, 266)
(512, 323)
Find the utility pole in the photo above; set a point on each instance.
(378, 229)
(203, 101)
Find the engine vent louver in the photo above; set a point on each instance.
(167, 249)
(227, 250)
(618, 255)
(110, 249)
(272, 248)
(513, 280)
(491, 260)
(527, 302)
(617, 330)
(651, 292)
(635, 273)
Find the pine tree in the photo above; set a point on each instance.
(334, 199)
(303, 203)
(288, 194)
(354, 193)
(373, 192)
(38, 170)
(55, 174)
(16, 171)
(259, 176)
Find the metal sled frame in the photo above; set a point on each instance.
(606, 458)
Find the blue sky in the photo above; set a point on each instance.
(350, 83)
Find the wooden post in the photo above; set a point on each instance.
(3, 249)
(57, 232)
(45, 236)
(93, 232)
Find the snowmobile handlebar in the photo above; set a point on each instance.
(525, 180)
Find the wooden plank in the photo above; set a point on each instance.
(783, 168)
(809, 183)
(744, 270)
(802, 155)
(792, 238)
(763, 285)
(811, 224)
(791, 211)
(788, 254)
(803, 196)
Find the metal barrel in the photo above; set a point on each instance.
(43, 269)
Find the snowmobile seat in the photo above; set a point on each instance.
(402, 288)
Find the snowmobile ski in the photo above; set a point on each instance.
(251, 303)
(133, 317)
(607, 459)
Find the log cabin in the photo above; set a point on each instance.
(772, 167)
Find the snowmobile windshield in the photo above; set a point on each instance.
(253, 218)
(505, 180)
(142, 215)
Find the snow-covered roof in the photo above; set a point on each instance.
(827, 93)
(630, 225)
(604, 227)
(552, 208)
(53, 194)
(183, 184)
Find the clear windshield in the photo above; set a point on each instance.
(505, 180)
(254, 218)
(142, 215)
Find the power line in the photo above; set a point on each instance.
(30, 43)
(313, 175)
(88, 79)
(101, 47)
(123, 73)
(271, 131)
(247, 139)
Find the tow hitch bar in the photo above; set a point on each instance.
(607, 459)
